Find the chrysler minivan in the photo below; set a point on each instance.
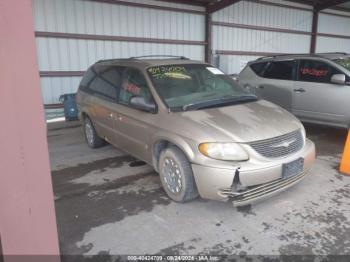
(201, 131)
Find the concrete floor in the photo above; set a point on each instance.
(107, 203)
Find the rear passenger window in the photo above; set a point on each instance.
(107, 83)
(134, 84)
(316, 71)
(258, 68)
(282, 70)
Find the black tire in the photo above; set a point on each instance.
(92, 139)
(188, 190)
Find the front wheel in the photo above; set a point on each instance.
(92, 139)
(176, 175)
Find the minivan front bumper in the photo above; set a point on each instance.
(255, 181)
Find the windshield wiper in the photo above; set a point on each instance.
(219, 101)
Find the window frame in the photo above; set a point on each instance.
(124, 70)
(262, 71)
(98, 94)
(325, 62)
(294, 70)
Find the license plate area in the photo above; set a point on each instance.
(292, 168)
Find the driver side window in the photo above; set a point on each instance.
(134, 84)
(316, 71)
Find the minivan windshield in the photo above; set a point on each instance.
(344, 62)
(196, 86)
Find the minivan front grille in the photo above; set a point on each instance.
(279, 146)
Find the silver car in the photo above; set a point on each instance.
(315, 88)
(197, 127)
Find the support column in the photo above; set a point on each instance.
(314, 31)
(208, 37)
(27, 213)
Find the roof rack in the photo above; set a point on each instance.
(157, 56)
(106, 60)
(307, 54)
(279, 55)
(329, 53)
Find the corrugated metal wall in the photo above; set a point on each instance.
(106, 19)
(330, 24)
(73, 34)
(231, 35)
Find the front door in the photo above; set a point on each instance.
(316, 99)
(134, 127)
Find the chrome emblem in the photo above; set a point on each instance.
(284, 143)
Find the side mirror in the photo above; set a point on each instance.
(338, 79)
(139, 102)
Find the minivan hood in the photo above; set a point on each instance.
(243, 123)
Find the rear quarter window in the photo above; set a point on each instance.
(87, 79)
(258, 68)
(282, 70)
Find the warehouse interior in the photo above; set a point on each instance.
(72, 35)
(107, 202)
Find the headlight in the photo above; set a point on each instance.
(223, 151)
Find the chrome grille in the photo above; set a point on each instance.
(279, 146)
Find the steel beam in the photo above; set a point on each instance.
(314, 31)
(328, 4)
(208, 37)
(220, 5)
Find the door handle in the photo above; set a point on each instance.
(299, 90)
(261, 87)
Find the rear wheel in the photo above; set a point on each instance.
(92, 139)
(176, 175)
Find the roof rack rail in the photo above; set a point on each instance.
(301, 54)
(325, 53)
(106, 60)
(279, 55)
(155, 56)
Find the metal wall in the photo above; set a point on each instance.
(246, 29)
(122, 31)
(73, 34)
(333, 32)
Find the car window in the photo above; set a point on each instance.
(134, 84)
(107, 83)
(282, 70)
(316, 71)
(344, 62)
(184, 84)
(87, 79)
(258, 68)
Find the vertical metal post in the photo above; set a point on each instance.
(208, 36)
(314, 31)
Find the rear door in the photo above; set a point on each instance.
(315, 98)
(105, 88)
(276, 83)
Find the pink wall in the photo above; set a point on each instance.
(27, 214)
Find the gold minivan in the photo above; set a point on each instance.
(200, 130)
